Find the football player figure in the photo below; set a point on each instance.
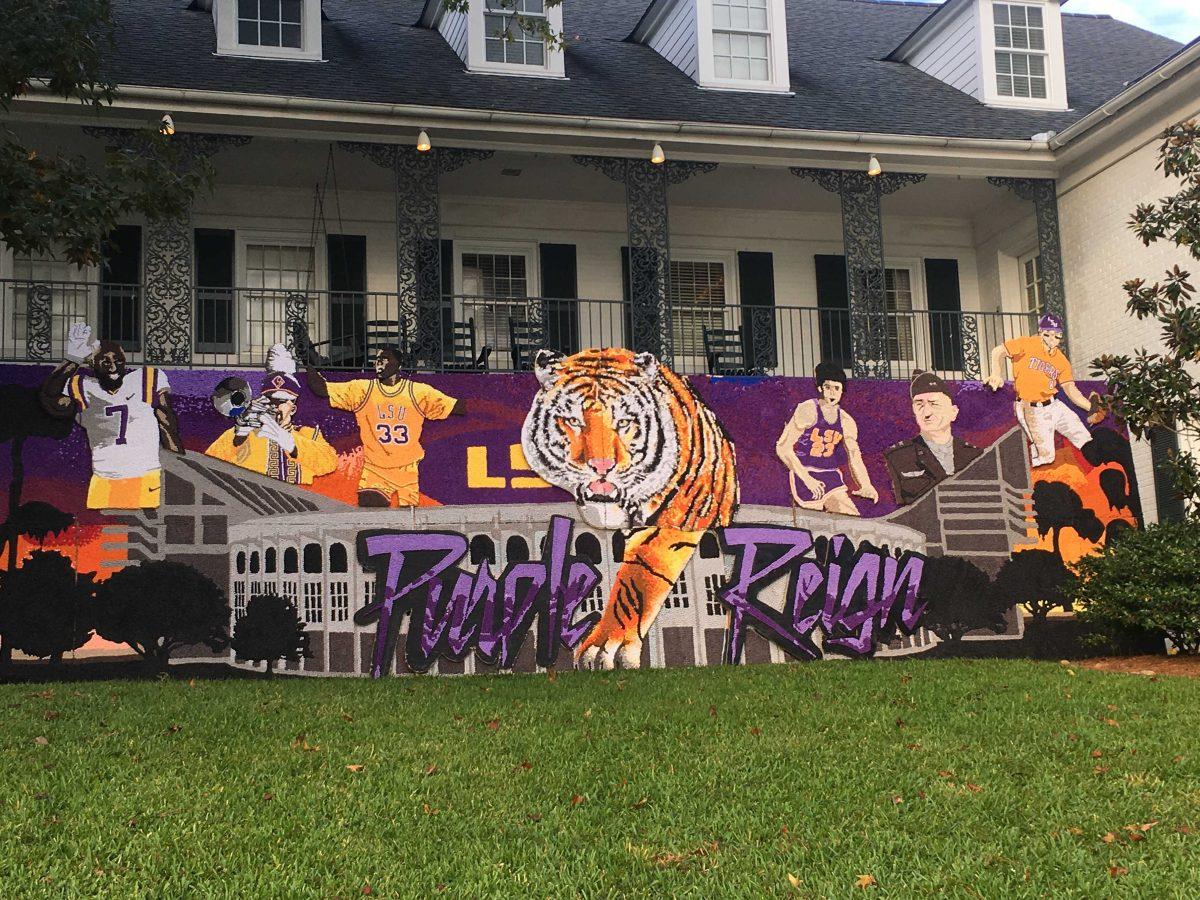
(391, 410)
(271, 443)
(126, 414)
(1040, 368)
(818, 441)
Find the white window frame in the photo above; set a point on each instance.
(243, 332)
(916, 287)
(777, 51)
(526, 249)
(1056, 79)
(732, 316)
(1034, 257)
(225, 21)
(477, 61)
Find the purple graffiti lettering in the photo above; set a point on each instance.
(852, 593)
(452, 613)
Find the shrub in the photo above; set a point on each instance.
(47, 606)
(959, 599)
(1036, 578)
(1149, 580)
(270, 630)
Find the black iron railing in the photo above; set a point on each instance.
(234, 327)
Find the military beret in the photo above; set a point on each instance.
(928, 383)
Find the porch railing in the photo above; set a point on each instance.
(233, 327)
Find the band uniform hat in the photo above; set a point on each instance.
(1050, 322)
(928, 383)
(280, 386)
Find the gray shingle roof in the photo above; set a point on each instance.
(375, 53)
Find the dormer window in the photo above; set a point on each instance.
(741, 40)
(270, 23)
(1020, 51)
(506, 38)
(278, 29)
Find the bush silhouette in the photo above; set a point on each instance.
(1036, 578)
(959, 598)
(158, 607)
(269, 631)
(47, 607)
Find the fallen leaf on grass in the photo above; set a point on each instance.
(191, 682)
(1112, 723)
(525, 764)
(346, 717)
(430, 810)
(173, 729)
(1074, 829)
(41, 741)
(1182, 829)
(712, 711)
(51, 714)
(41, 695)
(366, 889)
(587, 713)
(945, 773)
(905, 679)
(1096, 754)
(794, 881)
(865, 881)
(493, 724)
(974, 788)
(1117, 871)
(897, 799)
(267, 795)
(301, 743)
(640, 803)
(534, 817)
(577, 799)
(756, 731)
(899, 723)
(1099, 770)
(431, 769)
(1109, 838)
(355, 767)
(673, 859)
(1177, 759)
(912, 746)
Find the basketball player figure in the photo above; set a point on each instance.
(1040, 368)
(820, 440)
(391, 410)
(126, 414)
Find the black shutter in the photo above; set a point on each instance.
(346, 256)
(215, 314)
(756, 283)
(627, 298)
(945, 306)
(560, 289)
(833, 310)
(120, 287)
(1164, 443)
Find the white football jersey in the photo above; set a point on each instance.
(121, 427)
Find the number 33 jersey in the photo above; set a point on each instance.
(390, 418)
(121, 426)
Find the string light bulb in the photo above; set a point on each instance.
(657, 156)
(423, 144)
(874, 169)
(166, 125)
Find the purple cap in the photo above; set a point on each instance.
(1050, 322)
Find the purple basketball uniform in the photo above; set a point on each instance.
(822, 449)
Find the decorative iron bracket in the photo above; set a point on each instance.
(862, 236)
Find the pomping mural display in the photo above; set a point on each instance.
(600, 510)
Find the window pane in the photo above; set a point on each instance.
(1004, 63)
(535, 54)
(1001, 13)
(1003, 36)
(1035, 16)
(759, 71)
(290, 36)
(758, 18)
(1039, 88)
(721, 44)
(1016, 15)
(247, 32)
(1021, 87)
(722, 67)
(248, 9)
(268, 10)
(290, 11)
(1037, 66)
(1020, 64)
(1020, 39)
(721, 15)
(1037, 40)
(269, 34)
(1004, 86)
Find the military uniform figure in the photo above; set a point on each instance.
(918, 464)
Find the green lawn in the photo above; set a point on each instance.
(948, 778)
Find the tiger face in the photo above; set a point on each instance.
(599, 428)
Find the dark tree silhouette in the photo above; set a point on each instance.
(23, 417)
(1115, 531)
(269, 631)
(1036, 578)
(158, 607)
(48, 608)
(1056, 506)
(959, 598)
(1116, 488)
(1107, 446)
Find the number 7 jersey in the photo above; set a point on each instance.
(390, 419)
(121, 427)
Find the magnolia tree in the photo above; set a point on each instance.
(1160, 390)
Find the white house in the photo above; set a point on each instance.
(894, 185)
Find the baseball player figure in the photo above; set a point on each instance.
(271, 443)
(391, 410)
(818, 441)
(126, 414)
(1040, 368)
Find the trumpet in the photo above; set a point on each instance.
(233, 399)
